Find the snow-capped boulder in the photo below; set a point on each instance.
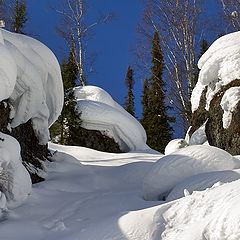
(201, 182)
(30, 77)
(215, 99)
(172, 169)
(15, 181)
(175, 145)
(32, 90)
(100, 112)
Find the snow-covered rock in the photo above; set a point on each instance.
(220, 64)
(229, 103)
(215, 98)
(100, 112)
(201, 182)
(175, 145)
(174, 168)
(15, 181)
(30, 77)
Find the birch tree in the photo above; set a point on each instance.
(176, 23)
(76, 28)
(231, 10)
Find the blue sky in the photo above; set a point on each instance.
(112, 42)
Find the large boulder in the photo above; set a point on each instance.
(216, 97)
(31, 96)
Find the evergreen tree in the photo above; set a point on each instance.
(19, 16)
(203, 48)
(67, 127)
(156, 120)
(145, 102)
(129, 100)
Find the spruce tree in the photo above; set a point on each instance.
(19, 17)
(156, 119)
(65, 129)
(129, 100)
(145, 103)
(203, 48)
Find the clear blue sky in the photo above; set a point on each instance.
(112, 42)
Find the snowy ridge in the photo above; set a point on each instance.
(31, 78)
(100, 112)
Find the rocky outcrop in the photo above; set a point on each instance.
(224, 138)
(32, 153)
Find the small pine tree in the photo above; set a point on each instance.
(19, 17)
(155, 119)
(129, 100)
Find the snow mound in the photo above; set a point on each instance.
(15, 182)
(229, 103)
(174, 168)
(219, 65)
(211, 214)
(175, 145)
(30, 77)
(100, 112)
(201, 182)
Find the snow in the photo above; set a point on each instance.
(229, 103)
(174, 168)
(30, 77)
(201, 182)
(219, 65)
(15, 180)
(93, 196)
(174, 145)
(100, 112)
(199, 136)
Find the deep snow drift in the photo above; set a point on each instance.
(100, 112)
(30, 77)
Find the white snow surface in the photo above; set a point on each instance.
(100, 112)
(30, 76)
(219, 65)
(175, 145)
(199, 136)
(14, 179)
(174, 168)
(97, 196)
(201, 182)
(229, 103)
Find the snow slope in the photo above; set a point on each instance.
(90, 197)
(100, 112)
(30, 76)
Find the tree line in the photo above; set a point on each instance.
(172, 40)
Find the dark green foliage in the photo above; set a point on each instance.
(129, 100)
(203, 48)
(155, 119)
(19, 16)
(65, 129)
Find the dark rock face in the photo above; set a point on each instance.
(96, 140)
(227, 139)
(33, 154)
